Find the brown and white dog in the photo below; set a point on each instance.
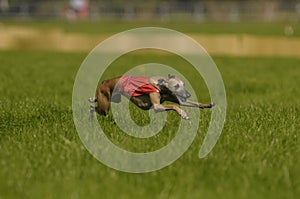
(146, 93)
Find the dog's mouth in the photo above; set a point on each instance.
(181, 98)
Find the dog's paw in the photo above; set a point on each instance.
(211, 105)
(184, 115)
(186, 118)
(92, 99)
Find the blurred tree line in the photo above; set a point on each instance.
(13, 2)
(162, 9)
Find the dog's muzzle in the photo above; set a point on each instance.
(183, 97)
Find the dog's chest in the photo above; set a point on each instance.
(167, 97)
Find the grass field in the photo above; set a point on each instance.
(41, 155)
(257, 156)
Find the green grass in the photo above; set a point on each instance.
(111, 27)
(41, 155)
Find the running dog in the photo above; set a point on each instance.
(146, 93)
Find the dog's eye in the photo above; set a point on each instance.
(176, 86)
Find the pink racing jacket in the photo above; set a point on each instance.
(136, 85)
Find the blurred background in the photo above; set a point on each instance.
(195, 10)
(216, 25)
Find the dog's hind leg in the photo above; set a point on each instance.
(92, 110)
(103, 100)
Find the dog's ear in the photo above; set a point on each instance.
(162, 82)
(171, 76)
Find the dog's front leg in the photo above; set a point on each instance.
(195, 104)
(160, 107)
(155, 100)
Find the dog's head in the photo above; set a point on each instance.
(176, 86)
